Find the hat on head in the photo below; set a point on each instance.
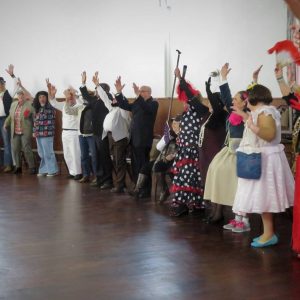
(2, 81)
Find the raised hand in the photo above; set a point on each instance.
(278, 71)
(10, 70)
(96, 79)
(51, 89)
(136, 89)
(225, 71)
(256, 73)
(177, 73)
(207, 85)
(118, 85)
(83, 77)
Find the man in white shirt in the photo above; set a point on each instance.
(70, 136)
(116, 128)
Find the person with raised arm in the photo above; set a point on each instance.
(144, 110)
(99, 111)
(6, 99)
(20, 121)
(221, 180)
(116, 132)
(43, 131)
(70, 125)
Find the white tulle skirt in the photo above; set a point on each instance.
(273, 192)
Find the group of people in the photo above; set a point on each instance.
(200, 149)
(198, 152)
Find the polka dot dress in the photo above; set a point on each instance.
(187, 178)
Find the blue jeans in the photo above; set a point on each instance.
(48, 164)
(88, 147)
(5, 134)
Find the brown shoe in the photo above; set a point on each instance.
(84, 179)
(7, 169)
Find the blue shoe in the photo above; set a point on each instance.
(272, 241)
(256, 239)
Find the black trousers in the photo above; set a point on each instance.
(104, 163)
(139, 158)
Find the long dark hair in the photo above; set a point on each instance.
(36, 103)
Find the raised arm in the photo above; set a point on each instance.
(192, 100)
(51, 95)
(284, 87)
(102, 94)
(255, 74)
(28, 95)
(214, 98)
(224, 87)
(121, 99)
(10, 72)
(83, 89)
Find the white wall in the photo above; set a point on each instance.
(60, 38)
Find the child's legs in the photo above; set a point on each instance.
(267, 219)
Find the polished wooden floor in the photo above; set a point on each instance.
(60, 239)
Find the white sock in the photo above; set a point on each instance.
(246, 220)
(238, 218)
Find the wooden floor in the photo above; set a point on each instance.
(60, 239)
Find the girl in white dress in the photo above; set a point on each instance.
(274, 191)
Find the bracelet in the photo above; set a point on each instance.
(280, 78)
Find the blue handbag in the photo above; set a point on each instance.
(248, 165)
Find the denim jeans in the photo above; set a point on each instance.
(5, 135)
(48, 164)
(88, 147)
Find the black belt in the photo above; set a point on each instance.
(70, 129)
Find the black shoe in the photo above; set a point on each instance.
(17, 170)
(117, 190)
(77, 177)
(144, 194)
(70, 176)
(32, 171)
(178, 209)
(106, 186)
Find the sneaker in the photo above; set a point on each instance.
(84, 179)
(7, 169)
(231, 224)
(52, 175)
(41, 174)
(241, 227)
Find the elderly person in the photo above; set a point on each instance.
(70, 135)
(144, 110)
(5, 103)
(20, 121)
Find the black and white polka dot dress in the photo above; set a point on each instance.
(187, 178)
